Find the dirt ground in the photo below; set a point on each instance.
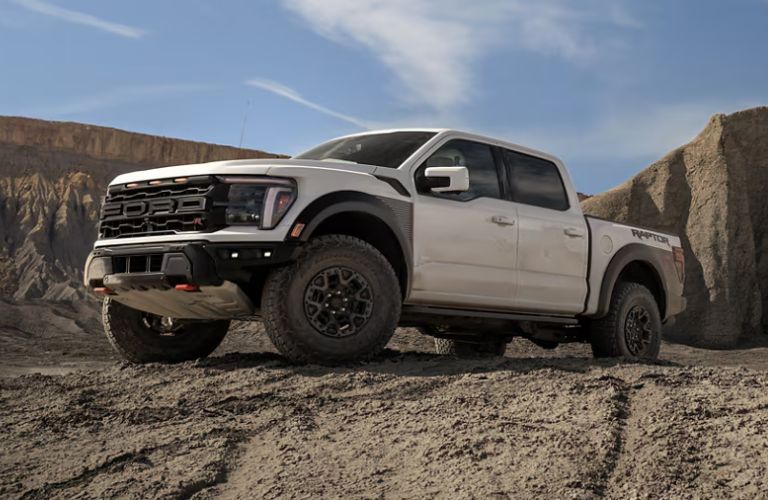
(76, 422)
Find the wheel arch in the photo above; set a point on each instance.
(384, 223)
(635, 263)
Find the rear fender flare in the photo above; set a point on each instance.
(633, 252)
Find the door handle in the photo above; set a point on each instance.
(573, 232)
(502, 220)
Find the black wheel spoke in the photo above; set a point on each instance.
(338, 302)
(638, 330)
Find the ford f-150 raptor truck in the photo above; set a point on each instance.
(472, 240)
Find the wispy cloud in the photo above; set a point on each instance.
(431, 45)
(73, 16)
(111, 99)
(289, 93)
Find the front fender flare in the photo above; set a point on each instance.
(396, 214)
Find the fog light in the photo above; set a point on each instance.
(267, 254)
(234, 255)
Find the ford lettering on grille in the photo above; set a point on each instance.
(166, 208)
(153, 207)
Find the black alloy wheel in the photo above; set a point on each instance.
(338, 302)
(632, 327)
(638, 333)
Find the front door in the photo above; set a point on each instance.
(465, 244)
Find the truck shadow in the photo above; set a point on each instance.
(420, 364)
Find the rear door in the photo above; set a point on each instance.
(465, 244)
(552, 237)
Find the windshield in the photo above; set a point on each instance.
(382, 150)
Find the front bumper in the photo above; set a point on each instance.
(189, 280)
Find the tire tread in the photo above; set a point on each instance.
(118, 327)
(275, 295)
(604, 335)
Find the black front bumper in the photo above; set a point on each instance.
(163, 266)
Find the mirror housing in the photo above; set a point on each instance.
(447, 179)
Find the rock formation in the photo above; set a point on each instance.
(713, 192)
(52, 178)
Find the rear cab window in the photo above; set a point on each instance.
(535, 181)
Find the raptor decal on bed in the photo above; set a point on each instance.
(648, 235)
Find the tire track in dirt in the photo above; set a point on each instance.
(694, 433)
(360, 443)
(112, 465)
(407, 426)
(619, 430)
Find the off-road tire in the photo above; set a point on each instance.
(608, 335)
(463, 349)
(283, 303)
(137, 343)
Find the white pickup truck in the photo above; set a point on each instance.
(472, 240)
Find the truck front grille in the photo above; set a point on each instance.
(166, 206)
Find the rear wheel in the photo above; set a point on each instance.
(141, 337)
(632, 327)
(340, 302)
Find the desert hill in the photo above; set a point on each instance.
(52, 178)
(712, 192)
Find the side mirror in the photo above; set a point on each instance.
(447, 179)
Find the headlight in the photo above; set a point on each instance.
(258, 201)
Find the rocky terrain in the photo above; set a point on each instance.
(409, 425)
(712, 193)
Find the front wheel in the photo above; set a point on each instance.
(339, 302)
(632, 327)
(141, 337)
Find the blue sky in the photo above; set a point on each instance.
(607, 85)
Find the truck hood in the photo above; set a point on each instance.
(241, 167)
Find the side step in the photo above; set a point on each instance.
(471, 313)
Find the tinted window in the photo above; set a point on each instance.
(382, 150)
(478, 158)
(535, 181)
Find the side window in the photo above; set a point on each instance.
(479, 160)
(535, 181)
